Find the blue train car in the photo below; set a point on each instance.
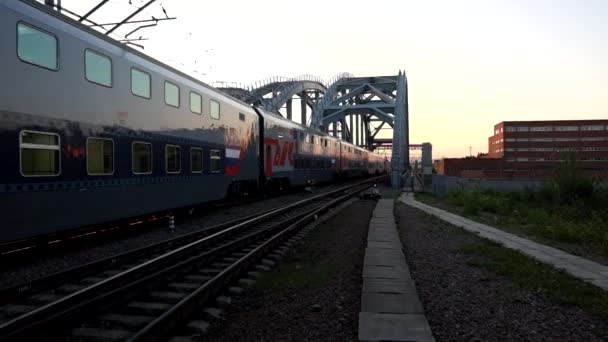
(92, 131)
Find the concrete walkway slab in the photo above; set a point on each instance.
(390, 308)
(581, 268)
(393, 327)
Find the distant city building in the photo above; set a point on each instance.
(533, 149)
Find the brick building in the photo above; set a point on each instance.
(533, 149)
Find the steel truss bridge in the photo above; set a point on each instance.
(355, 109)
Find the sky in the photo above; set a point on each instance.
(470, 64)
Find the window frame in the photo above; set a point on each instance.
(179, 149)
(165, 94)
(84, 55)
(43, 31)
(202, 159)
(200, 97)
(113, 157)
(42, 147)
(149, 83)
(219, 109)
(151, 158)
(211, 157)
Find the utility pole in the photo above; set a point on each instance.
(470, 151)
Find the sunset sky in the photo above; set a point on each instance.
(470, 64)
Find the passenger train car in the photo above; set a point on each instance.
(92, 131)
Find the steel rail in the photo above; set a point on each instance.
(121, 281)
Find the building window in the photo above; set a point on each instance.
(510, 129)
(142, 158)
(40, 154)
(523, 129)
(592, 128)
(215, 163)
(100, 156)
(241, 116)
(173, 160)
(171, 94)
(36, 47)
(140, 83)
(214, 109)
(566, 128)
(196, 160)
(541, 129)
(97, 68)
(196, 103)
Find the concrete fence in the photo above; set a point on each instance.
(443, 184)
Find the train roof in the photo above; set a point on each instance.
(125, 47)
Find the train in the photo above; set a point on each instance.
(93, 131)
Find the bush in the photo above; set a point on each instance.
(572, 184)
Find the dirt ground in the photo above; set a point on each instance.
(313, 295)
(468, 303)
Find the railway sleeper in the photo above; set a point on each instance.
(212, 313)
(170, 296)
(100, 334)
(127, 321)
(151, 308)
(188, 286)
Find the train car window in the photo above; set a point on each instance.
(142, 158)
(97, 68)
(100, 156)
(37, 47)
(140, 83)
(173, 159)
(196, 103)
(241, 116)
(214, 109)
(171, 94)
(40, 154)
(196, 160)
(215, 161)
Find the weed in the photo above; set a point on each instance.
(537, 277)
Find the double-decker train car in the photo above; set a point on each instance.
(92, 131)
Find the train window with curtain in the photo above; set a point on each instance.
(100, 156)
(142, 158)
(40, 154)
(171, 94)
(37, 47)
(214, 109)
(173, 160)
(97, 68)
(215, 161)
(196, 103)
(196, 160)
(140, 83)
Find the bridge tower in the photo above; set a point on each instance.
(357, 109)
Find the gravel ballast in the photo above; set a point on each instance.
(313, 295)
(467, 303)
(60, 261)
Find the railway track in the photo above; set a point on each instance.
(15, 253)
(145, 294)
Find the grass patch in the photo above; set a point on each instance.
(297, 275)
(391, 194)
(577, 227)
(308, 267)
(531, 275)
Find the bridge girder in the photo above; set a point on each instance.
(357, 104)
